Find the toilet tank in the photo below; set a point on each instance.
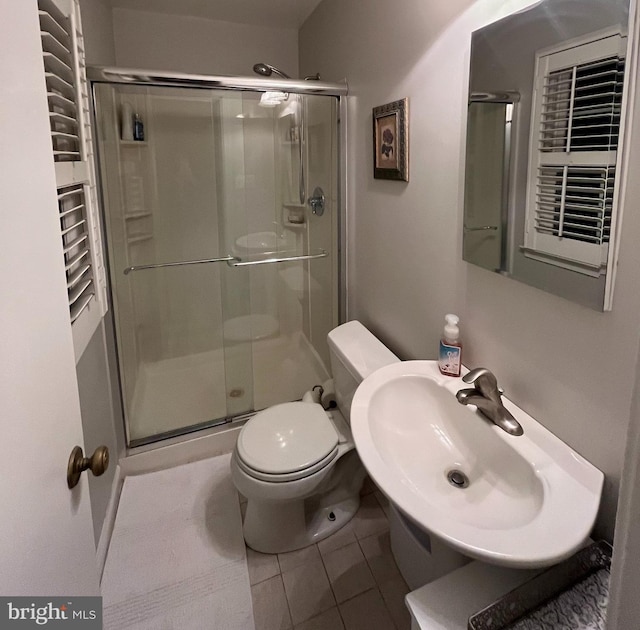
(355, 353)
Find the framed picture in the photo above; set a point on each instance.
(391, 141)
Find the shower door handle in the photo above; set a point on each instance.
(180, 263)
(238, 262)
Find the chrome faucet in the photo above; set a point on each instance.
(486, 396)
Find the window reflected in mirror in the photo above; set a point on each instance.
(542, 173)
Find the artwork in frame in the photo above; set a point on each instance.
(391, 141)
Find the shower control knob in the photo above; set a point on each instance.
(97, 463)
(317, 201)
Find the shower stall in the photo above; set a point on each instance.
(222, 216)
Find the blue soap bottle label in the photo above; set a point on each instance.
(449, 359)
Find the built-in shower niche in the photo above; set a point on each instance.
(201, 343)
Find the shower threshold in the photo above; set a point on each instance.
(187, 433)
(186, 394)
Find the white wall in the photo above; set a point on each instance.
(186, 44)
(97, 27)
(570, 367)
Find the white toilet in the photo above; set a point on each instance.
(296, 463)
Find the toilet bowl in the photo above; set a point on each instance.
(296, 463)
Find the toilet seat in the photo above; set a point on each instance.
(291, 476)
(286, 442)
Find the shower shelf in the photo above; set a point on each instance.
(136, 215)
(290, 225)
(139, 238)
(134, 143)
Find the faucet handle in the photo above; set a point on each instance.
(473, 375)
(485, 382)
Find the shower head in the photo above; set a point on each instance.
(266, 70)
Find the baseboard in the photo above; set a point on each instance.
(109, 520)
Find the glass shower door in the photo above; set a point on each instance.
(290, 252)
(162, 197)
(217, 177)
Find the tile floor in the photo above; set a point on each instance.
(348, 581)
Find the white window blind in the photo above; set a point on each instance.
(572, 168)
(76, 246)
(73, 154)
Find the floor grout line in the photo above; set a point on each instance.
(286, 599)
(377, 587)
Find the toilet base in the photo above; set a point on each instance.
(278, 527)
(286, 516)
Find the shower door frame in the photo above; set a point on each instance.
(151, 78)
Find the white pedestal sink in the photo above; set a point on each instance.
(531, 501)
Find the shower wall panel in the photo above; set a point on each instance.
(185, 223)
(321, 287)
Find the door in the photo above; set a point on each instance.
(46, 536)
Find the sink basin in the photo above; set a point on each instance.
(527, 501)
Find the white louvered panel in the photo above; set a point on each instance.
(581, 107)
(57, 47)
(556, 111)
(77, 208)
(75, 236)
(88, 154)
(48, 22)
(81, 273)
(54, 46)
(73, 260)
(575, 124)
(68, 99)
(575, 202)
(57, 67)
(62, 86)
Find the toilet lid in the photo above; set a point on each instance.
(287, 438)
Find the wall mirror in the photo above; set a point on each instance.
(544, 139)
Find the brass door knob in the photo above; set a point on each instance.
(97, 463)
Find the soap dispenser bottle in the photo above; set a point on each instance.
(450, 354)
(138, 128)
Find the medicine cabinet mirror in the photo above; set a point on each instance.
(544, 144)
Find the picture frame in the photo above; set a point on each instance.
(391, 141)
